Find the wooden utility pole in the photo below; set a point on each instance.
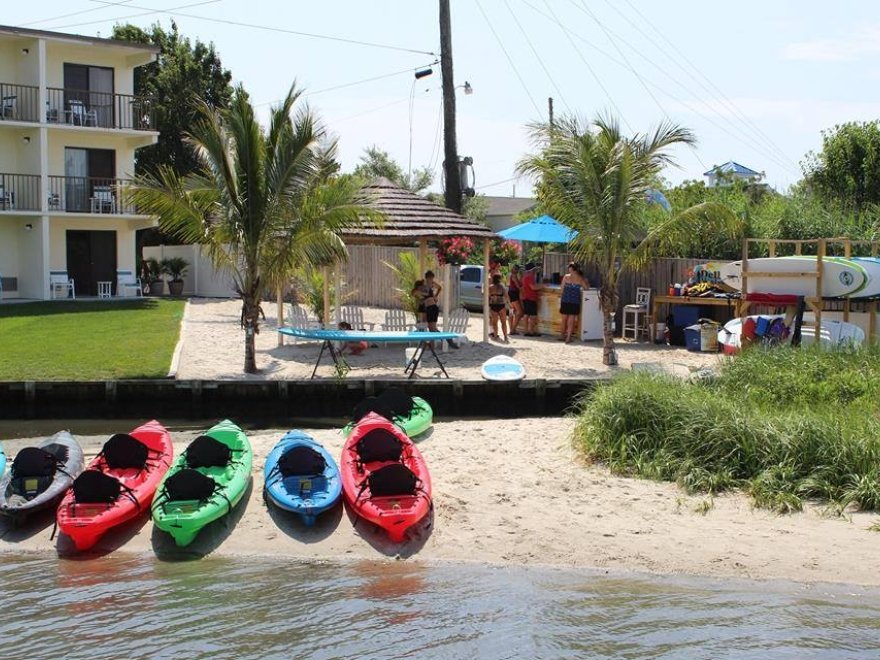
(450, 149)
(550, 109)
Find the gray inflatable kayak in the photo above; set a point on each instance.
(39, 476)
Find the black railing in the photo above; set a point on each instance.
(80, 194)
(99, 109)
(19, 102)
(19, 192)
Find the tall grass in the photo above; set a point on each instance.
(785, 425)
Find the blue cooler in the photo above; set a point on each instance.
(693, 337)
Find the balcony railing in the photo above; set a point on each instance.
(99, 109)
(19, 102)
(79, 194)
(19, 192)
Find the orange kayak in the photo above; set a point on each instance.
(117, 486)
(384, 477)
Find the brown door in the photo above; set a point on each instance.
(91, 258)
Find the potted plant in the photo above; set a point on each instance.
(176, 268)
(153, 277)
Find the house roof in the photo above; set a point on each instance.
(509, 205)
(735, 168)
(64, 36)
(410, 217)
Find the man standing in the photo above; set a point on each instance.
(529, 296)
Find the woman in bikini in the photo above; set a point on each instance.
(570, 301)
(498, 307)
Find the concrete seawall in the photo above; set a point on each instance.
(201, 399)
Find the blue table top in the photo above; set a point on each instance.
(393, 337)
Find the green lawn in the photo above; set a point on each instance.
(94, 340)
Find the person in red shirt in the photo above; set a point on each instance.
(529, 297)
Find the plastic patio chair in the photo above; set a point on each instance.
(61, 283)
(127, 283)
(298, 319)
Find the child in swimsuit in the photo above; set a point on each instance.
(353, 347)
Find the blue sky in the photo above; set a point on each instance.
(756, 81)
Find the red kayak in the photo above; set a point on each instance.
(384, 476)
(117, 485)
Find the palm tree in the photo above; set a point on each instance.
(262, 202)
(595, 180)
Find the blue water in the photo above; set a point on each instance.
(133, 606)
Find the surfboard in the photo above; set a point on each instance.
(501, 368)
(840, 277)
(872, 268)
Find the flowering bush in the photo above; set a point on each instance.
(455, 250)
(506, 252)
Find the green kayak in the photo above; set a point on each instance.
(413, 414)
(205, 482)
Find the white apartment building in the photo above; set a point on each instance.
(69, 128)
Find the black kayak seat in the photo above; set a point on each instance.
(95, 487)
(397, 401)
(393, 479)
(206, 451)
(301, 461)
(371, 404)
(122, 451)
(33, 462)
(379, 445)
(189, 484)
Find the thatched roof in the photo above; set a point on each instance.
(410, 217)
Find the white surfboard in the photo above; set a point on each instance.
(840, 277)
(501, 368)
(872, 268)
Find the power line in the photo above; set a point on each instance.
(75, 13)
(537, 55)
(149, 12)
(254, 26)
(598, 80)
(724, 98)
(498, 183)
(509, 59)
(756, 143)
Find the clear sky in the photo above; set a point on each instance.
(755, 80)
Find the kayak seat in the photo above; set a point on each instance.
(122, 452)
(95, 487)
(189, 484)
(371, 404)
(301, 461)
(33, 462)
(394, 479)
(379, 445)
(397, 401)
(206, 451)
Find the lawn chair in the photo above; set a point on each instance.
(456, 321)
(354, 316)
(7, 199)
(79, 114)
(397, 321)
(60, 283)
(8, 107)
(103, 200)
(127, 284)
(298, 319)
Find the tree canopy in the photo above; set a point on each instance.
(847, 169)
(183, 72)
(376, 162)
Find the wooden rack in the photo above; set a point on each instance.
(816, 302)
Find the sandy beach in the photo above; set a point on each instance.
(212, 347)
(514, 492)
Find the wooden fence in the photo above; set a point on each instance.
(368, 281)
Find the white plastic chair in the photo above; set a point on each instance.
(127, 284)
(60, 283)
(79, 113)
(354, 316)
(8, 107)
(7, 199)
(635, 315)
(457, 321)
(103, 200)
(397, 321)
(298, 319)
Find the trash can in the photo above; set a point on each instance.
(701, 338)
(693, 337)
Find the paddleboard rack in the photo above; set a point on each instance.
(818, 247)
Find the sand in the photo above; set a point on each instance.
(212, 347)
(514, 492)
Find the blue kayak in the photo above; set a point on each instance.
(2, 460)
(301, 476)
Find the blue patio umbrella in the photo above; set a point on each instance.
(543, 229)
